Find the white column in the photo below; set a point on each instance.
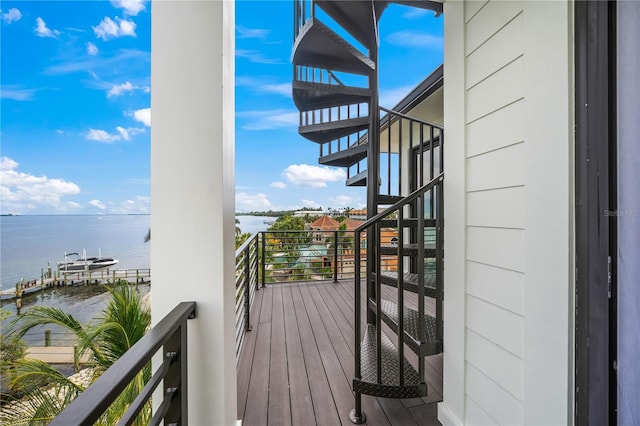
(452, 409)
(192, 191)
(549, 215)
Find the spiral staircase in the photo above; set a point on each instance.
(335, 88)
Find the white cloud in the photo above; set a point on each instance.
(129, 7)
(60, 132)
(121, 59)
(390, 97)
(16, 92)
(415, 13)
(415, 39)
(22, 192)
(278, 184)
(244, 32)
(92, 49)
(342, 200)
(256, 56)
(42, 30)
(13, 15)
(310, 203)
(108, 28)
(101, 136)
(261, 86)
(312, 176)
(270, 119)
(119, 89)
(115, 90)
(139, 205)
(143, 116)
(106, 137)
(246, 202)
(98, 204)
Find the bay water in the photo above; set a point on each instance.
(30, 244)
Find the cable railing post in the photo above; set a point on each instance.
(335, 257)
(247, 289)
(264, 257)
(175, 382)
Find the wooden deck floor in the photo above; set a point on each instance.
(296, 365)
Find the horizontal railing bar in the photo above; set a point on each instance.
(112, 382)
(417, 120)
(138, 404)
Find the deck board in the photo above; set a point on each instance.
(302, 411)
(296, 365)
(279, 401)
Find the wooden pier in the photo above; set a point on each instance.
(47, 279)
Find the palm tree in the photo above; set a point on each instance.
(121, 324)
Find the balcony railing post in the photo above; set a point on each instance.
(247, 289)
(264, 257)
(335, 257)
(175, 382)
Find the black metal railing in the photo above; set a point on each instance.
(402, 135)
(168, 336)
(303, 10)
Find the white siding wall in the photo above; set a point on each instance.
(508, 97)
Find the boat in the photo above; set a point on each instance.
(85, 263)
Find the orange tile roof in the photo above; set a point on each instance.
(324, 223)
(352, 223)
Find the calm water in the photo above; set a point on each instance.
(254, 224)
(28, 243)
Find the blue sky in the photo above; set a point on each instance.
(76, 118)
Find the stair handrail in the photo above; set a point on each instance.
(401, 203)
(408, 117)
(438, 180)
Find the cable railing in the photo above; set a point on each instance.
(312, 255)
(169, 337)
(247, 280)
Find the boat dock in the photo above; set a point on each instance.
(46, 280)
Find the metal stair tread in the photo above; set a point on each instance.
(358, 180)
(426, 347)
(410, 249)
(411, 222)
(356, 17)
(332, 130)
(346, 157)
(308, 96)
(319, 46)
(410, 281)
(390, 386)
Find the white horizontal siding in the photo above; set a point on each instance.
(501, 49)
(502, 128)
(476, 416)
(503, 207)
(501, 88)
(496, 169)
(502, 366)
(473, 7)
(494, 399)
(498, 286)
(488, 21)
(500, 247)
(496, 324)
